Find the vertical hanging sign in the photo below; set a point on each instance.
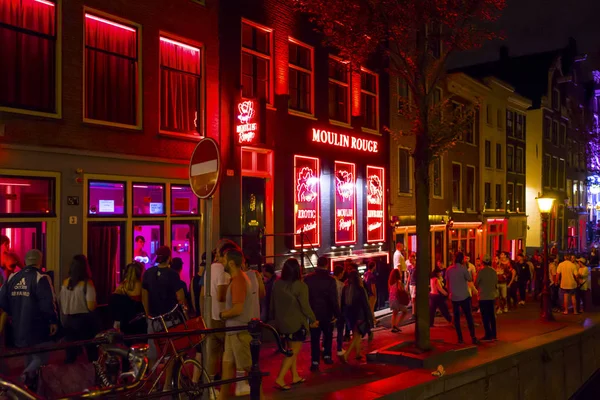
(307, 216)
(345, 202)
(375, 204)
(248, 123)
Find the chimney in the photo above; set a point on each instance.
(504, 53)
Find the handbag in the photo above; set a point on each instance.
(93, 315)
(402, 295)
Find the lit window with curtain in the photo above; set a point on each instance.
(369, 98)
(301, 77)
(256, 62)
(339, 90)
(180, 87)
(111, 71)
(28, 55)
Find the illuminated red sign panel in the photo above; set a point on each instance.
(345, 202)
(343, 140)
(247, 126)
(375, 204)
(307, 216)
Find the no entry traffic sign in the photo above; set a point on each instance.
(205, 168)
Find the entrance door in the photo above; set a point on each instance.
(106, 255)
(253, 218)
(183, 245)
(22, 237)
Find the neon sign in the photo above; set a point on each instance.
(247, 126)
(306, 198)
(375, 204)
(345, 202)
(343, 140)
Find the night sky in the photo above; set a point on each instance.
(533, 26)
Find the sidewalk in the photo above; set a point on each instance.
(517, 330)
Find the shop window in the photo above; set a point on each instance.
(183, 200)
(111, 71)
(28, 54)
(22, 237)
(369, 99)
(256, 62)
(106, 254)
(148, 199)
(301, 77)
(26, 196)
(180, 87)
(339, 90)
(456, 186)
(147, 238)
(106, 198)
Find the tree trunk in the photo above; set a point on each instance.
(421, 162)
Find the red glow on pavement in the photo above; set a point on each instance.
(307, 186)
(375, 204)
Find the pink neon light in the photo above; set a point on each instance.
(345, 182)
(45, 2)
(185, 46)
(105, 21)
(496, 220)
(306, 191)
(375, 202)
(246, 129)
(14, 184)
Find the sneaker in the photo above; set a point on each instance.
(341, 353)
(499, 311)
(242, 388)
(327, 360)
(314, 366)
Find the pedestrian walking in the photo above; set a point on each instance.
(458, 285)
(512, 286)
(369, 280)
(241, 305)
(77, 304)
(355, 307)
(28, 299)
(338, 272)
(583, 286)
(269, 278)
(399, 299)
(290, 309)
(554, 283)
(487, 282)
(197, 287)
(411, 268)
(523, 277)
(568, 274)
(502, 303)
(322, 296)
(399, 261)
(438, 297)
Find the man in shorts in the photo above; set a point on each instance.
(238, 311)
(567, 276)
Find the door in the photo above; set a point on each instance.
(253, 218)
(183, 245)
(147, 238)
(18, 238)
(106, 255)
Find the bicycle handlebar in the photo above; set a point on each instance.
(162, 316)
(278, 341)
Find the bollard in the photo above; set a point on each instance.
(255, 376)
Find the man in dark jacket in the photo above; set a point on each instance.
(28, 298)
(322, 295)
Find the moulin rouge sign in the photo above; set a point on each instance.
(345, 202)
(247, 126)
(345, 141)
(375, 204)
(306, 196)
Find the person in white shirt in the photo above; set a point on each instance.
(552, 271)
(584, 286)
(399, 262)
(567, 276)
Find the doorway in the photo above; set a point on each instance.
(22, 237)
(183, 245)
(253, 218)
(106, 255)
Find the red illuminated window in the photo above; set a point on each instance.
(111, 71)
(180, 87)
(344, 187)
(256, 61)
(307, 211)
(26, 196)
(28, 54)
(375, 204)
(301, 77)
(369, 99)
(339, 90)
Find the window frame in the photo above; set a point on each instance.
(201, 95)
(510, 131)
(555, 98)
(510, 206)
(561, 179)
(555, 183)
(164, 200)
(499, 163)
(460, 182)
(521, 198)
(547, 133)
(519, 169)
(348, 86)
(125, 184)
(554, 133)
(547, 170)
(487, 196)
(254, 53)
(57, 114)
(53, 202)
(487, 154)
(311, 73)
(473, 193)
(510, 167)
(438, 160)
(368, 93)
(498, 200)
(139, 91)
(409, 193)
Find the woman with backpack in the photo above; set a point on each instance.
(357, 312)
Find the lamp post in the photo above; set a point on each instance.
(545, 205)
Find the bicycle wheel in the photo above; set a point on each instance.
(184, 375)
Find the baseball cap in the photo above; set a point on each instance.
(163, 253)
(33, 257)
(487, 259)
(582, 260)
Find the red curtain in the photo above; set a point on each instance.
(103, 251)
(27, 70)
(179, 87)
(111, 71)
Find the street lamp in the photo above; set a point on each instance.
(545, 205)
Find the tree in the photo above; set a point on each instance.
(407, 34)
